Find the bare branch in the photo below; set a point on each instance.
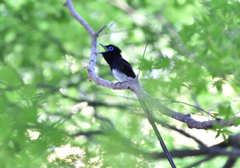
(188, 119)
(73, 12)
(99, 31)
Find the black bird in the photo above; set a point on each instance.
(120, 68)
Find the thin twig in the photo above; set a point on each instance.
(145, 48)
(181, 132)
(99, 31)
(197, 107)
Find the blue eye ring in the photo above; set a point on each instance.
(110, 48)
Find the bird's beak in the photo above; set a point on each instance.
(105, 48)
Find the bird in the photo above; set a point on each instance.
(121, 69)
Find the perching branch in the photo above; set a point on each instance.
(134, 85)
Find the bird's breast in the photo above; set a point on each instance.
(119, 75)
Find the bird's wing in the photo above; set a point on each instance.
(126, 68)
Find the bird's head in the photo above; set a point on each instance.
(110, 50)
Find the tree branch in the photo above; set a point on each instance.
(188, 119)
(74, 13)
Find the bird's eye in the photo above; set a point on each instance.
(110, 48)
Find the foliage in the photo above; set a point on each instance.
(47, 101)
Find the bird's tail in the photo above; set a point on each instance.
(151, 121)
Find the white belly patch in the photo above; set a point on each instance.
(119, 75)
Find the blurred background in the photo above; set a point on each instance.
(52, 116)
